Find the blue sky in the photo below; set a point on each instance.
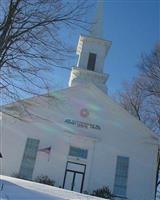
(133, 26)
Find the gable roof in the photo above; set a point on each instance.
(90, 91)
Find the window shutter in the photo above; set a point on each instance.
(121, 176)
(29, 158)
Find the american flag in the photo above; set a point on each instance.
(46, 150)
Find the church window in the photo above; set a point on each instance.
(78, 152)
(121, 176)
(91, 61)
(29, 158)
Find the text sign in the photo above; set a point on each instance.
(82, 124)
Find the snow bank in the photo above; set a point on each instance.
(18, 189)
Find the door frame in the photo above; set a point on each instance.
(75, 172)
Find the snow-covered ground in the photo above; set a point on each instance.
(18, 189)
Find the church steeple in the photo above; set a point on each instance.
(97, 29)
(92, 51)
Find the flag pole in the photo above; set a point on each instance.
(49, 155)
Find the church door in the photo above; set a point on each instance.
(74, 176)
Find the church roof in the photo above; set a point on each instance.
(92, 98)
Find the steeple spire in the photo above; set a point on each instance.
(97, 29)
(92, 51)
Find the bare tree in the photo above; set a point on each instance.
(150, 71)
(32, 42)
(142, 97)
(131, 98)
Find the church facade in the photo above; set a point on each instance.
(83, 139)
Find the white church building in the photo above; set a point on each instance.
(83, 140)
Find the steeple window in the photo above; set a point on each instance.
(91, 61)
